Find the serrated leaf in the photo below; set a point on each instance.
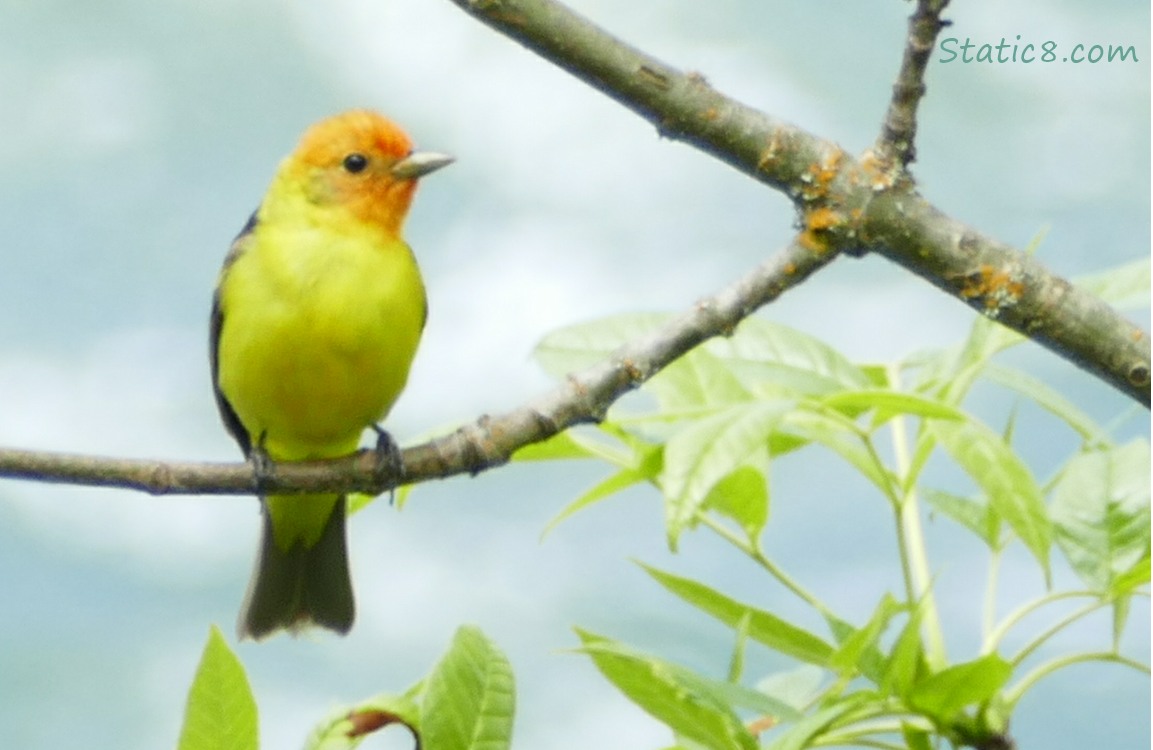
(469, 698)
(221, 712)
(660, 689)
(1004, 479)
(762, 626)
(943, 695)
(1100, 508)
(700, 455)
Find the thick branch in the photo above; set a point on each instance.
(848, 204)
(583, 397)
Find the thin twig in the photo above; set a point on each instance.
(899, 131)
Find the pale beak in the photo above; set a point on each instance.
(419, 163)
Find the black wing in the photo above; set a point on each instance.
(216, 324)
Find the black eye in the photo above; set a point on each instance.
(355, 163)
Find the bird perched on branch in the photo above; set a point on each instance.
(315, 321)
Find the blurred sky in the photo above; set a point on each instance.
(138, 136)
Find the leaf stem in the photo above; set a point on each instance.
(754, 551)
(1057, 627)
(911, 540)
(1044, 670)
(996, 634)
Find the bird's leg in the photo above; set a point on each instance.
(389, 463)
(261, 465)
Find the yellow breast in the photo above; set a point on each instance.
(319, 331)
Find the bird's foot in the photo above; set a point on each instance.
(262, 467)
(389, 468)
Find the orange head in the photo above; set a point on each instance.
(361, 163)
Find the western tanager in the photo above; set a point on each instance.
(315, 322)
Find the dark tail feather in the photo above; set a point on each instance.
(301, 587)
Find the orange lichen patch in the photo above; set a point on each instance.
(816, 242)
(880, 174)
(818, 177)
(822, 219)
(998, 287)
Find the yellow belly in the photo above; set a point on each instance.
(318, 335)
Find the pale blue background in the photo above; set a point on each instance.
(137, 137)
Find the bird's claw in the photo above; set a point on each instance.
(262, 467)
(389, 468)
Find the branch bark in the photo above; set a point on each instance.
(847, 204)
(584, 397)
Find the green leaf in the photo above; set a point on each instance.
(699, 456)
(563, 446)
(345, 728)
(469, 699)
(907, 659)
(663, 692)
(915, 738)
(858, 650)
(802, 734)
(1050, 400)
(890, 403)
(942, 696)
(579, 346)
(974, 515)
(221, 712)
(762, 352)
(1005, 480)
(951, 373)
(743, 496)
(737, 660)
(647, 465)
(1100, 507)
(1136, 576)
(797, 687)
(762, 626)
(698, 379)
(842, 437)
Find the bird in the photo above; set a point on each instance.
(316, 318)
